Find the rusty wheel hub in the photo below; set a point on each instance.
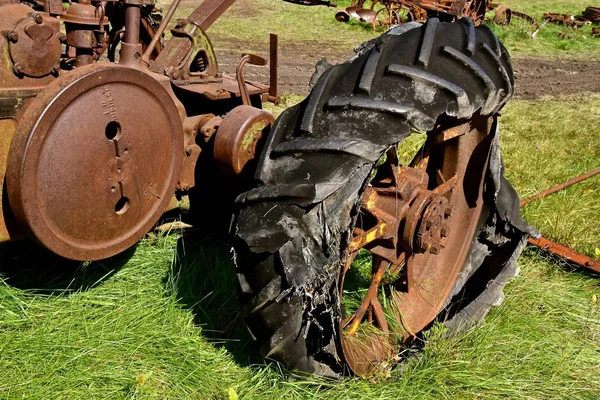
(95, 161)
(417, 223)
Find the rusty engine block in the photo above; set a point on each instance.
(102, 128)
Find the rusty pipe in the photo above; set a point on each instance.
(273, 67)
(239, 73)
(159, 32)
(558, 249)
(131, 49)
(132, 24)
(561, 186)
(567, 253)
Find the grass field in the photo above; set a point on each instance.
(161, 321)
(253, 20)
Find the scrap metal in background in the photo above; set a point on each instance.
(394, 12)
(592, 14)
(313, 2)
(399, 11)
(555, 248)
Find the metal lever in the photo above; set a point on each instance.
(246, 59)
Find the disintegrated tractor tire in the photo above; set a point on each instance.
(320, 197)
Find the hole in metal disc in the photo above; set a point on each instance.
(113, 130)
(122, 205)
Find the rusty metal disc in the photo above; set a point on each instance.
(95, 160)
(417, 222)
(238, 136)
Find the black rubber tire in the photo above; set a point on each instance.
(293, 228)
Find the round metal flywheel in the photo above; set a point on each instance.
(95, 160)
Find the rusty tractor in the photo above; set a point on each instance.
(104, 128)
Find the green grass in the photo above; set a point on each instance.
(164, 323)
(247, 24)
(161, 322)
(547, 142)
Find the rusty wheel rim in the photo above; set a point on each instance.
(389, 16)
(417, 222)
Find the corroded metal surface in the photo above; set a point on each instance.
(91, 189)
(400, 11)
(592, 14)
(7, 130)
(558, 249)
(100, 151)
(238, 136)
(566, 253)
(417, 222)
(559, 187)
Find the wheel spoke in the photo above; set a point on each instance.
(379, 315)
(380, 266)
(446, 186)
(367, 237)
(451, 133)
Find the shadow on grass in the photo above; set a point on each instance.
(203, 280)
(28, 266)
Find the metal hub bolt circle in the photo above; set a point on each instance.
(408, 216)
(433, 226)
(95, 160)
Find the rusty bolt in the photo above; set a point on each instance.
(434, 249)
(12, 36)
(445, 231)
(37, 18)
(17, 68)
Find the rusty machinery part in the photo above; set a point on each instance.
(190, 51)
(565, 19)
(443, 228)
(95, 160)
(239, 73)
(150, 21)
(392, 15)
(557, 249)
(451, 9)
(592, 14)
(561, 186)
(566, 253)
(502, 16)
(238, 136)
(87, 31)
(33, 41)
(155, 46)
(199, 60)
(400, 11)
(312, 2)
(530, 20)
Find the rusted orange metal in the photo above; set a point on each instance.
(414, 222)
(555, 248)
(561, 186)
(238, 137)
(567, 253)
(400, 11)
(92, 153)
